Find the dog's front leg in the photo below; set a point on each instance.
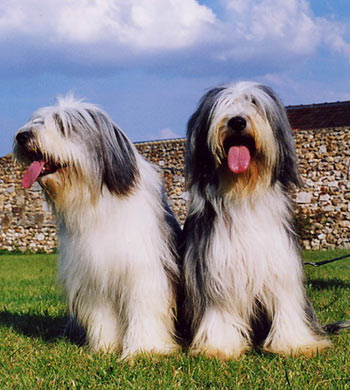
(150, 318)
(104, 330)
(221, 334)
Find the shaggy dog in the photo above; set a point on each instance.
(242, 272)
(117, 236)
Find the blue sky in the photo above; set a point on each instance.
(147, 62)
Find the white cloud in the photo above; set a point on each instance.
(290, 26)
(142, 24)
(182, 34)
(167, 133)
(275, 22)
(334, 37)
(164, 133)
(168, 24)
(10, 17)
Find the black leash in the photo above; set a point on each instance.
(337, 326)
(319, 263)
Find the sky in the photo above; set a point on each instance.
(148, 62)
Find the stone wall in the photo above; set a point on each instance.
(170, 157)
(25, 219)
(322, 206)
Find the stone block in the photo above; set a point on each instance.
(303, 197)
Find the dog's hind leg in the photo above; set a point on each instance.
(291, 332)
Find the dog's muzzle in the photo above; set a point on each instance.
(23, 137)
(238, 145)
(39, 165)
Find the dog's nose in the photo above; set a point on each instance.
(23, 136)
(237, 123)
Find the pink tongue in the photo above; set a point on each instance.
(238, 159)
(32, 173)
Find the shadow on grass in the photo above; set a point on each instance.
(44, 327)
(322, 284)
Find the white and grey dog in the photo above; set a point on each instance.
(242, 273)
(117, 236)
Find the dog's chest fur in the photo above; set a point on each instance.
(252, 248)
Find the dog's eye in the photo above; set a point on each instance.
(38, 121)
(256, 105)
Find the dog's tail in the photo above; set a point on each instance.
(336, 327)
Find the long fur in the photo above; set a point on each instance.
(117, 236)
(242, 272)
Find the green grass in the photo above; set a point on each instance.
(34, 355)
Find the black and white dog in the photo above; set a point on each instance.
(242, 273)
(117, 236)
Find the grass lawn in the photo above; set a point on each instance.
(34, 355)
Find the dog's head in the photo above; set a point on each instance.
(74, 146)
(240, 138)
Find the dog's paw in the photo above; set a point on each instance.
(309, 350)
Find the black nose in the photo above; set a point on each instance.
(237, 123)
(23, 137)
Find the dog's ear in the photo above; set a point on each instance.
(200, 164)
(119, 163)
(58, 122)
(286, 170)
(117, 159)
